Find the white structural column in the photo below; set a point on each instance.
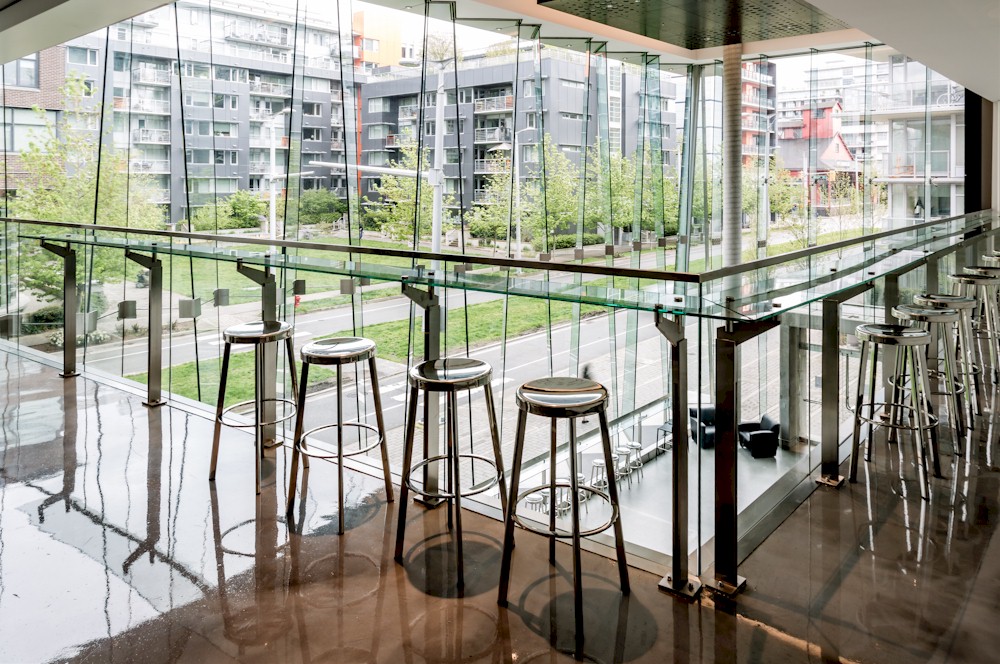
(732, 154)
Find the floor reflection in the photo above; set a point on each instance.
(110, 530)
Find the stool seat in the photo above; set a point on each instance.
(893, 335)
(339, 350)
(925, 314)
(450, 374)
(258, 332)
(942, 300)
(561, 396)
(985, 270)
(975, 279)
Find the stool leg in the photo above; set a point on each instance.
(300, 417)
(340, 450)
(258, 408)
(457, 481)
(858, 400)
(871, 408)
(956, 404)
(491, 413)
(896, 394)
(218, 411)
(290, 351)
(575, 507)
(969, 355)
(404, 486)
(508, 522)
(380, 420)
(613, 494)
(921, 371)
(919, 420)
(552, 490)
(448, 466)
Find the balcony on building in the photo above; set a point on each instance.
(494, 104)
(755, 76)
(915, 99)
(147, 20)
(399, 140)
(146, 135)
(149, 166)
(337, 145)
(485, 197)
(150, 106)
(271, 89)
(151, 76)
(490, 135)
(258, 35)
(492, 165)
(160, 195)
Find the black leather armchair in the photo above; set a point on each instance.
(703, 427)
(761, 438)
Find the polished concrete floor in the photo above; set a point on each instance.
(115, 547)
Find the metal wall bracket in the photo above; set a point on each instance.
(154, 337)
(70, 305)
(428, 301)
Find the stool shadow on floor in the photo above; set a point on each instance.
(431, 565)
(617, 628)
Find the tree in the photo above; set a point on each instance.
(246, 208)
(394, 209)
(551, 201)
(788, 202)
(320, 206)
(73, 178)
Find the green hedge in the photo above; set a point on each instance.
(569, 240)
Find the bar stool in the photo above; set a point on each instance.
(635, 455)
(910, 343)
(623, 464)
(939, 323)
(338, 352)
(450, 376)
(257, 334)
(969, 353)
(563, 398)
(983, 287)
(599, 475)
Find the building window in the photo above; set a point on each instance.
(195, 70)
(449, 127)
(122, 32)
(565, 115)
(451, 155)
(465, 96)
(81, 56)
(226, 130)
(199, 156)
(531, 121)
(529, 154)
(429, 128)
(231, 102)
(311, 109)
(89, 87)
(408, 51)
(234, 74)
(122, 61)
(223, 157)
(23, 72)
(430, 99)
(614, 109)
(528, 88)
(312, 134)
(573, 85)
(370, 45)
(615, 79)
(378, 158)
(199, 127)
(378, 105)
(201, 99)
(22, 126)
(377, 131)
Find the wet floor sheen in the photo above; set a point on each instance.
(115, 547)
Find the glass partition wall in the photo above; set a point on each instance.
(409, 127)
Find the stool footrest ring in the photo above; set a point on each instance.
(558, 533)
(447, 495)
(320, 451)
(879, 405)
(239, 425)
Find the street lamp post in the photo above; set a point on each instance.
(272, 224)
(516, 185)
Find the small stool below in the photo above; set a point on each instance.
(563, 398)
(910, 346)
(257, 334)
(968, 352)
(450, 376)
(338, 352)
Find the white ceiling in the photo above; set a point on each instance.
(957, 38)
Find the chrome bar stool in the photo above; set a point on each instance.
(969, 353)
(450, 376)
(635, 455)
(984, 288)
(563, 398)
(623, 464)
(338, 352)
(257, 334)
(911, 344)
(940, 324)
(599, 475)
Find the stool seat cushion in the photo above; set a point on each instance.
(985, 270)
(258, 332)
(450, 374)
(925, 314)
(562, 396)
(945, 301)
(893, 335)
(338, 350)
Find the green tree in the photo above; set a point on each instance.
(320, 206)
(72, 177)
(246, 208)
(551, 201)
(491, 220)
(394, 208)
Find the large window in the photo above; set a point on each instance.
(81, 56)
(23, 126)
(22, 73)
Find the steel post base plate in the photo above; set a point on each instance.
(154, 404)
(688, 589)
(720, 587)
(836, 481)
(69, 374)
(430, 502)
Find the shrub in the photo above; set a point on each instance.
(488, 230)
(569, 240)
(43, 320)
